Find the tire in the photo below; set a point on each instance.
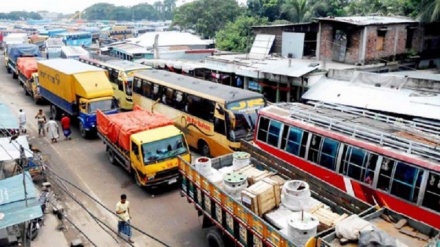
(111, 156)
(136, 178)
(54, 112)
(36, 101)
(204, 148)
(215, 238)
(84, 133)
(32, 231)
(9, 70)
(14, 75)
(25, 91)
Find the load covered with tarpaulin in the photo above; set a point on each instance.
(27, 66)
(119, 127)
(23, 50)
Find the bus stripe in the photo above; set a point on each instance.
(349, 186)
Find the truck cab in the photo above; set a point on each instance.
(32, 88)
(153, 155)
(87, 112)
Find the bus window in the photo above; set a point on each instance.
(219, 126)
(294, 141)
(169, 93)
(146, 89)
(120, 85)
(274, 133)
(353, 162)
(156, 92)
(386, 171)
(370, 168)
(179, 102)
(431, 198)
(113, 76)
(314, 149)
(137, 85)
(406, 181)
(263, 125)
(329, 153)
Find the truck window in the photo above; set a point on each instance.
(135, 148)
(164, 149)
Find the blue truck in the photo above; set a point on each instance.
(20, 50)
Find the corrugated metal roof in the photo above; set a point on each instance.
(7, 119)
(11, 150)
(369, 20)
(392, 100)
(130, 48)
(69, 66)
(13, 208)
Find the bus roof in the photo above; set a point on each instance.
(73, 33)
(214, 91)
(118, 64)
(57, 42)
(391, 136)
(130, 48)
(69, 66)
(74, 51)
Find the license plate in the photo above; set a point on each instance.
(172, 181)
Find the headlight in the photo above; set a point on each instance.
(150, 177)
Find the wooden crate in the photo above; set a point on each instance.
(278, 179)
(327, 219)
(260, 197)
(276, 188)
(253, 174)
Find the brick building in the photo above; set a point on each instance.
(367, 39)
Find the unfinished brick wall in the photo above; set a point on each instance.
(353, 47)
(326, 35)
(390, 48)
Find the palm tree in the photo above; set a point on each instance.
(295, 10)
(429, 11)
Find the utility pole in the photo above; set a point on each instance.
(23, 163)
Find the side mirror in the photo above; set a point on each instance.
(220, 110)
(82, 105)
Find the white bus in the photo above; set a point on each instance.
(73, 52)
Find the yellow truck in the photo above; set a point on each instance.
(146, 144)
(77, 89)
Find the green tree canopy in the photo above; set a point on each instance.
(20, 15)
(206, 17)
(429, 10)
(238, 36)
(266, 8)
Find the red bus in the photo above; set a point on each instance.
(379, 159)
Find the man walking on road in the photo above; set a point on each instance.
(52, 130)
(123, 211)
(22, 121)
(65, 125)
(41, 120)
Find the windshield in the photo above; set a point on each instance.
(164, 149)
(103, 105)
(245, 112)
(138, 56)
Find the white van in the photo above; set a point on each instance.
(73, 52)
(53, 47)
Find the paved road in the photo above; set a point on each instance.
(165, 215)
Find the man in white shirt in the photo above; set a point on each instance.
(123, 211)
(22, 121)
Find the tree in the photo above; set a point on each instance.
(144, 11)
(158, 6)
(99, 11)
(296, 10)
(238, 36)
(266, 8)
(206, 17)
(120, 13)
(168, 8)
(429, 11)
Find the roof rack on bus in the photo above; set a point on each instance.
(423, 147)
(425, 126)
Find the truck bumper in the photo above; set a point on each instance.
(168, 177)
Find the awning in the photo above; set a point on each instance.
(13, 208)
(11, 150)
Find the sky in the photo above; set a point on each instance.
(66, 7)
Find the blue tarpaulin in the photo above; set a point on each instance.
(8, 120)
(13, 208)
(21, 50)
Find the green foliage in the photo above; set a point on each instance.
(296, 10)
(206, 17)
(238, 36)
(20, 15)
(266, 8)
(429, 11)
(105, 11)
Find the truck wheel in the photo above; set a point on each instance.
(36, 101)
(9, 70)
(82, 130)
(25, 91)
(204, 148)
(215, 238)
(54, 112)
(14, 75)
(111, 156)
(136, 178)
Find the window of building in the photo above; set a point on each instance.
(406, 182)
(431, 198)
(380, 40)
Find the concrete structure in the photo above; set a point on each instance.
(364, 39)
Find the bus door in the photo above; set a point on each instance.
(125, 89)
(223, 124)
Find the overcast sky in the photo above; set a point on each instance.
(64, 6)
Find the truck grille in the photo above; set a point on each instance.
(167, 173)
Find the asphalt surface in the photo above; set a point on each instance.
(161, 213)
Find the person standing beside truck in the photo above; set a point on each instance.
(65, 126)
(22, 121)
(123, 211)
(41, 120)
(52, 130)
